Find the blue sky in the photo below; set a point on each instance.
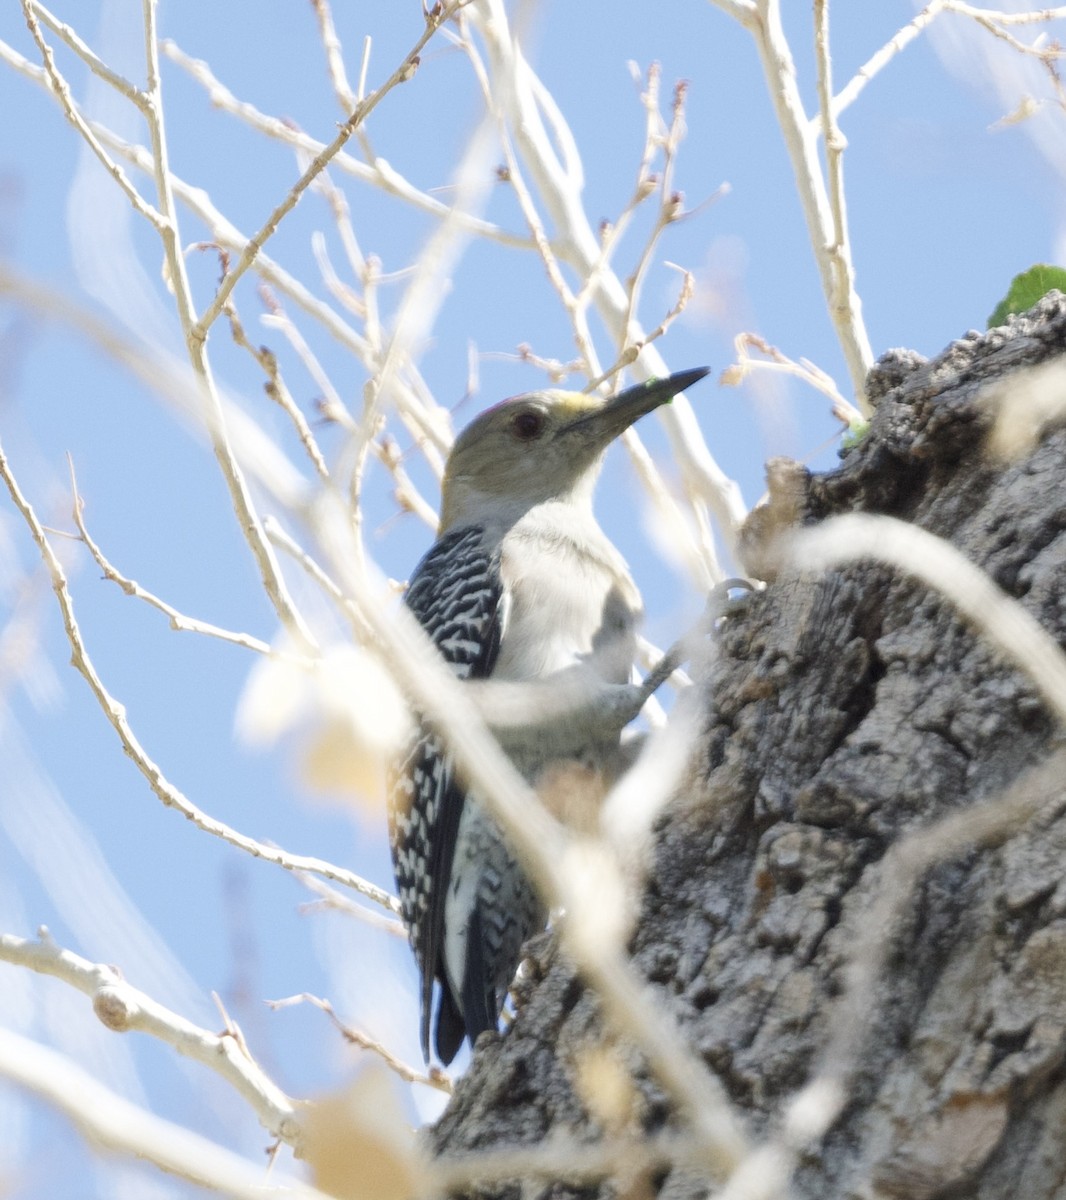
(945, 207)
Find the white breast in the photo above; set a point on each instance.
(569, 600)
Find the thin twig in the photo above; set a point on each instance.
(58, 85)
(277, 390)
(331, 44)
(814, 376)
(415, 314)
(342, 217)
(830, 245)
(152, 773)
(835, 145)
(995, 21)
(378, 173)
(435, 18)
(611, 235)
(95, 64)
(877, 63)
(195, 342)
(435, 1079)
(178, 620)
(329, 898)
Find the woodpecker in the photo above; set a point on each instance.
(522, 586)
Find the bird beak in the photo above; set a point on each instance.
(603, 425)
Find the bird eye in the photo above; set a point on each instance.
(527, 424)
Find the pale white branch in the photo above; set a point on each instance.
(877, 62)
(835, 144)
(278, 391)
(378, 173)
(434, 20)
(178, 620)
(334, 51)
(416, 312)
(996, 21)
(435, 1078)
(342, 292)
(575, 243)
(59, 88)
(828, 236)
(114, 1124)
(194, 333)
(95, 64)
(329, 898)
(777, 361)
(125, 1009)
(152, 773)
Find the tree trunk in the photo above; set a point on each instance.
(843, 711)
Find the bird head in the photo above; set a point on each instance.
(542, 446)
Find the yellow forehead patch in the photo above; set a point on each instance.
(556, 399)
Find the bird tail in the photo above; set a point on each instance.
(451, 1028)
(479, 990)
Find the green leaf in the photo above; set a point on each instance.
(855, 433)
(1026, 289)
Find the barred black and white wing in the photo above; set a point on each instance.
(456, 594)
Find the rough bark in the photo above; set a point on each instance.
(844, 711)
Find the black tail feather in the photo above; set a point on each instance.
(451, 1028)
(479, 992)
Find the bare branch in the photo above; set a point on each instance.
(877, 62)
(434, 20)
(153, 774)
(277, 390)
(329, 898)
(378, 173)
(178, 621)
(195, 341)
(995, 21)
(58, 86)
(777, 361)
(435, 1078)
(828, 236)
(95, 64)
(843, 295)
(113, 1123)
(125, 1009)
(331, 44)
